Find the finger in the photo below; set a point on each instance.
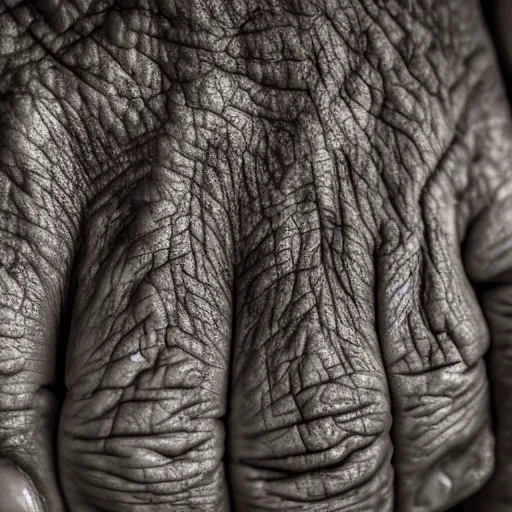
(141, 427)
(489, 262)
(39, 206)
(433, 332)
(433, 339)
(310, 412)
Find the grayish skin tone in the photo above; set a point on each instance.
(264, 219)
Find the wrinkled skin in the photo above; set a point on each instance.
(273, 239)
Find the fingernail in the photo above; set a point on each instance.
(17, 491)
(435, 492)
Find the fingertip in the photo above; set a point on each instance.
(17, 491)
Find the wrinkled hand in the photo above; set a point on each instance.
(252, 225)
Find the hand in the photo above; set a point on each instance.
(256, 230)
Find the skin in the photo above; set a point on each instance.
(272, 240)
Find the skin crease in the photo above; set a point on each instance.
(272, 239)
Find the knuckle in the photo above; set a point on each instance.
(143, 450)
(332, 445)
